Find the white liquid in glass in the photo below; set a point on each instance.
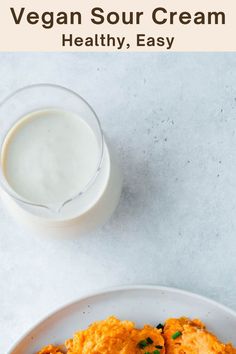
(50, 156)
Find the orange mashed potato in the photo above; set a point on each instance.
(112, 336)
(50, 349)
(185, 336)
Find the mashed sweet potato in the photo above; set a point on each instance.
(112, 336)
(191, 337)
(50, 349)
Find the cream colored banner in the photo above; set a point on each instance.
(118, 25)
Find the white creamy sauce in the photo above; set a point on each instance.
(49, 156)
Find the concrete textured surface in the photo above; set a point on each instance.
(172, 119)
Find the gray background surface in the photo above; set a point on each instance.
(172, 119)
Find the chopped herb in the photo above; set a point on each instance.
(176, 335)
(147, 353)
(156, 352)
(149, 340)
(160, 326)
(143, 343)
(158, 346)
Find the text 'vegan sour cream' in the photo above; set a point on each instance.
(57, 172)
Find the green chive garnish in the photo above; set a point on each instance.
(160, 326)
(156, 352)
(143, 343)
(176, 335)
(158, 346)
(149, 340)
(147, 353)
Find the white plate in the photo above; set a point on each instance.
(141, 304)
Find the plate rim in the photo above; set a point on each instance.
(115, 289)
